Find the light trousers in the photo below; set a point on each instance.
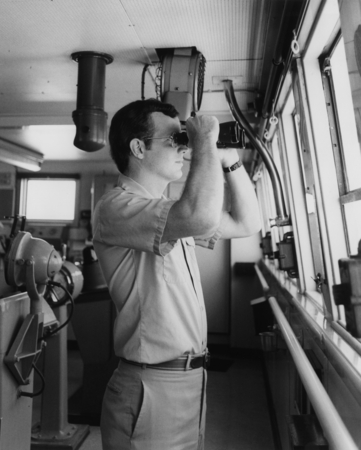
(152, 409)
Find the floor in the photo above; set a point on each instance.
(237, 409)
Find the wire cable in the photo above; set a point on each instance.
(54, 283)
(34, 394)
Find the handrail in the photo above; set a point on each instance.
(262, 279)
(337, 358)
(282, 219)
(333, 427)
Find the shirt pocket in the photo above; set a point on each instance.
(175, 266)
(191, 246)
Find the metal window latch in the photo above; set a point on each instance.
(319, 282)
(326, 67)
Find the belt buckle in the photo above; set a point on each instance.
(207, 359)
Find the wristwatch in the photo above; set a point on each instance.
(233, 167)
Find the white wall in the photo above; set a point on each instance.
(243, 290)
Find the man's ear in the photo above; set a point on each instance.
(137, 147)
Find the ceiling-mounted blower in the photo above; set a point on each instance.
(89, 117)
(182, 83)
(183, 72)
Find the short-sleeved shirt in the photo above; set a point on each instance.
(155, 286)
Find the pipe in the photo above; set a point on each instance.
(145, 68)
(277, 62)
(283, 55)
(282, 219)
(334, 429)
(89, 117)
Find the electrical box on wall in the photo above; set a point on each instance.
(286, 255)
(348, 293)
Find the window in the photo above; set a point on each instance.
(321, 198)
(309, 181)
(302, 208)
(345, 139)
(48, 199)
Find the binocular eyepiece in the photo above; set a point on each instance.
(230, 135)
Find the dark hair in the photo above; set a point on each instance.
(134, 121)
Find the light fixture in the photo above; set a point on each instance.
(20, 156)
(89, 117)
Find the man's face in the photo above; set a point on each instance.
(162, 158)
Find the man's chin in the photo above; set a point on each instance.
(177, 176)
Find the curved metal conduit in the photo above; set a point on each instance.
(282, 219)
(333, 427)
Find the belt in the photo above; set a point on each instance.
(188, 362)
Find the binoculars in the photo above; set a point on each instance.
(230, 135)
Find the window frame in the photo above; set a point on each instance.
(319, 149)
(295, 187)
(346, 195)
(331, 223)
(23, 177)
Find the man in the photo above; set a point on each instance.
(155, 399)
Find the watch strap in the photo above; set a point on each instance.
(233, 167)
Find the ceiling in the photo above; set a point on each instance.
(38, 78)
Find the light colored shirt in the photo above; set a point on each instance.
(155, 286)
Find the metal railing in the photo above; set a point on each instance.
(333, 427)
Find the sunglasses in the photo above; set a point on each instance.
(176, 139)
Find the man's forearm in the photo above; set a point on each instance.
(244, 210)
(198, 211)
(204, 188)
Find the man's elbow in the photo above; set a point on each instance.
(197, 220)
(253, 226)
(249, 226)
(206, 222)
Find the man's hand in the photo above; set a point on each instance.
(228, 156)
(202, 132)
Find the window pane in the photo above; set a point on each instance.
(312, 215)
(346, 117)
(353, 220)
(50, 200)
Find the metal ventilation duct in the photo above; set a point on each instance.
(90, 118)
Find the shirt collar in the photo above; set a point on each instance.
(131, 186)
